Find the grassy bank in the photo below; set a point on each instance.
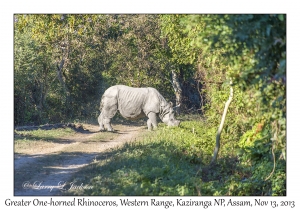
(175, 161)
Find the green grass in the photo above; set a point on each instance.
(169, 161)
(28, 142)
(103, 137)
(175, 161)
(143, 170)
(44, 134)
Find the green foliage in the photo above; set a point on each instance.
(251, 137)
(32, 70)
(136, 58)
(42, 44)
(251, 50)
(178, 42)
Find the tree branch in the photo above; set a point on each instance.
(218, 137)
(60, 76)
(177, 88)
(274, 163)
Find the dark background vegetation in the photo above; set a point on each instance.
(64, 63)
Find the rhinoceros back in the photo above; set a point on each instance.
(131, 101)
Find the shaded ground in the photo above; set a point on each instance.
(46, 171)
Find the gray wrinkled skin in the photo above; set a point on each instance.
(135, 103)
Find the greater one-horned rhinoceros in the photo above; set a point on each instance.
(134, 103)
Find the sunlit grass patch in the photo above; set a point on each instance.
(44, 134)
(40, 140)
(26, 146)
(103, 137)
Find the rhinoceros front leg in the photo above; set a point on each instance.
(108, 125)
(152, 122)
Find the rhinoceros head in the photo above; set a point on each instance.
(167, 115)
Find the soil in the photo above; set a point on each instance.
(46, 171)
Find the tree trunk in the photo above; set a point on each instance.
(178, 91)
(218, 137)
(60, 77)
(44, 86)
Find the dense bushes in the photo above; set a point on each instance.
(250, 50)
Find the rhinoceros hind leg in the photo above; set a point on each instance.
(108, 111)
(104, 122)
(152, 122)
(100, 121)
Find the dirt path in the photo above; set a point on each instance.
(46, 172)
